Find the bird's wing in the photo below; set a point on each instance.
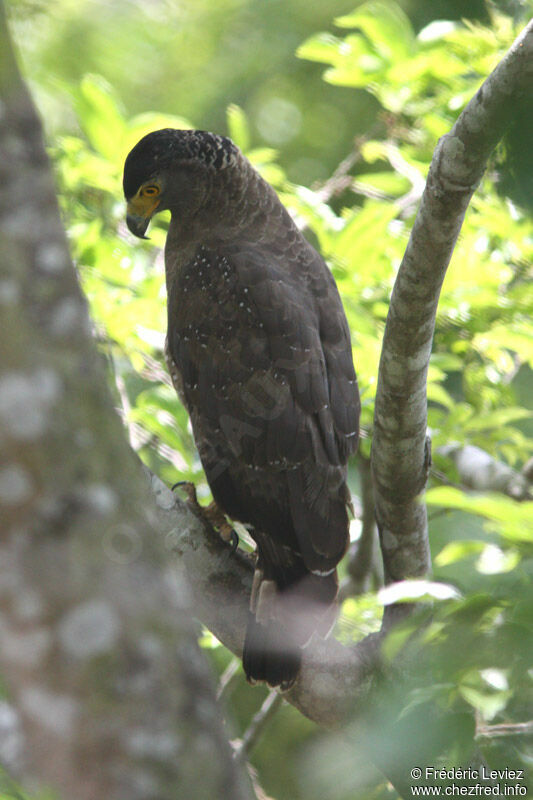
(297, 301)
(266, 367)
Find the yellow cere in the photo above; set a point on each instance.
(145, 201)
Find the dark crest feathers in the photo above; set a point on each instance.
(156, 151)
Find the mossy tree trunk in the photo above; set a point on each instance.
(97, 648)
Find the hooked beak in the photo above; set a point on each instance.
(137, 225)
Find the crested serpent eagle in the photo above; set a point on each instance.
(258, 348)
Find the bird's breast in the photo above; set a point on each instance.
(213, 321)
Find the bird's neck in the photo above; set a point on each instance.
(242, 209)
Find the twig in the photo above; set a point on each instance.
(135, 436)
(340, 179)
(403, 167)
(505, 729)
(364, 189)
(258, 790)
(259, 721)
(229, 678)
(153, 371)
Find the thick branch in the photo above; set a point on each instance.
(334, 680)
(480, 471)
(400, 452)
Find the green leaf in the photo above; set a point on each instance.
(457, 551)
(323, 47)
(516, 337)
(497, 419)
(488, 703)
(437, 394)
(386, 25)
(390, 183)
(100, 117)
(514, 520)
(238, 127)
(446, 362)
(262, 155)
(363, 229)
(208, 640)
(410, 591)
(357, 65)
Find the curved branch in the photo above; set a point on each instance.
(400, 450)
(334, 679)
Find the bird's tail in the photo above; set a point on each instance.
(282, 621)
(269, 654)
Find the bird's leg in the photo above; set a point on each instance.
(212, 514)
(256, 585)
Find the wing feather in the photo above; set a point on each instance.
(272, 374)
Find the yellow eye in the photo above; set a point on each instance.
(150, 191)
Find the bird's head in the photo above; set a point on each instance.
(173, 169)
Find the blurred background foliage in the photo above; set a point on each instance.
(340, 106)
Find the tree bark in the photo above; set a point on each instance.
(113, 697)
(480, 471)
(334, 680)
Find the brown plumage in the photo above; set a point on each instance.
(259, 349)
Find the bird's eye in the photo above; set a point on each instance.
(150, 191)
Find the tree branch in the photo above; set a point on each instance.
(504, 729)
(400, 450)
(334, 680)
(480, 471)
(270, 705)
